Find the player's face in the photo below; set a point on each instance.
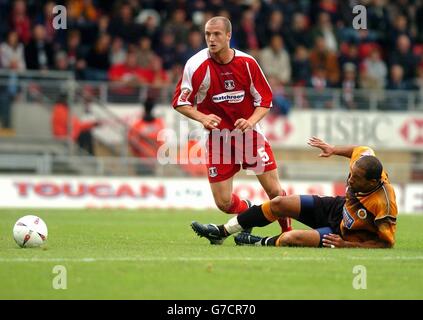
(217, 38)
(357, 180)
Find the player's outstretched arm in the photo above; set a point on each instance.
(329, 150)
(335, 241)
(209, 121)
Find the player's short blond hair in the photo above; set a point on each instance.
(227, 23)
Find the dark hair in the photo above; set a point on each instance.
(372, 166)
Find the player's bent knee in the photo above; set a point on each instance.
(224, 206)
(274, 193)
(277, 206)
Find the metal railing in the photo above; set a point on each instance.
(32, 83)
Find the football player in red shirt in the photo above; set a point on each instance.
(232, 95)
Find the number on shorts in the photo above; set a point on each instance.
(263, 154)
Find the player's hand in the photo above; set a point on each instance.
(243, 125)
(327, 149)
(211, 121)
(332, 240)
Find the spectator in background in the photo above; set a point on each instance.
(275, 60)
(128, 77)
(373, 71)
(145, 52)
(397, 100)
(325, 29)
(348, 86)
(322, 58)
(301, 67)
(131, 78)
(195, 44)
(82, 11)
(419, 23)
(8, 90)
(124, 26)
(246, 35)
(45, 18)
(12, 53)
(299, 34)
(98, 59)
(319, 97)
(102, 26)
(349, 54)
(281, 104)
(117, 51)
(273, 26)
(403, 56)
(178, 26)
(4, 18)
(166, 49)
(75, 53)
(150, 24)
(418, 84)
(61, 61)
(39, 53)
(11, 58)
(399, 28)
(142, 138)
(19, 21)
(157, 78)
(64, 124)
(378, 19)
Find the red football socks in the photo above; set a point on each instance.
(238, 205)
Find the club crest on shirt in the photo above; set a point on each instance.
(362, 213)
(213, 172)
(229, 84)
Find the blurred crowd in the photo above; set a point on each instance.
(300, 43)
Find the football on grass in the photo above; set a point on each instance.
(30, 232)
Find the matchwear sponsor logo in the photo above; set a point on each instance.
(229, 84)
(348, 220)
(231, 97)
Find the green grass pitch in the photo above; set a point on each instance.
(154, 254)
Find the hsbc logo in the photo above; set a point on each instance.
(231, 97)
(412, 131)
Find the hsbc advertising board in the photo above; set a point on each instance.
(137, 193)
(380, 130)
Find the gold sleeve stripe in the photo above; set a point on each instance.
(388, 203)
(265, 207)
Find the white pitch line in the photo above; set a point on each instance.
(208, 259)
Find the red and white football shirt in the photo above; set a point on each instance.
(231, 91)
